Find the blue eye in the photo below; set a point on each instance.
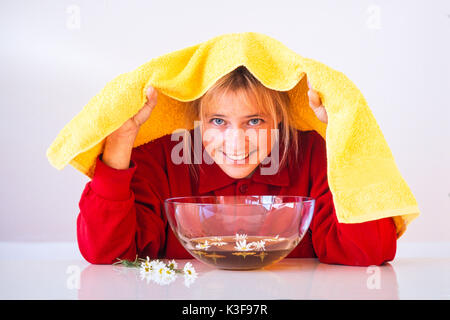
(219, 122)
(212, 120)
(258, 119)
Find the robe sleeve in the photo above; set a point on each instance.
(121, 211)
(360, 244)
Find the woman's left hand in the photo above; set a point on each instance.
(316, 104)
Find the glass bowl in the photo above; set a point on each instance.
(239, 232)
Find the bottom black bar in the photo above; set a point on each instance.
(221, 309)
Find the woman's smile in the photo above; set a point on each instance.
(236, 159)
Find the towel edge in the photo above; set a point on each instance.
(402, 217)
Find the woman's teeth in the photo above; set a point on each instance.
(237, 157)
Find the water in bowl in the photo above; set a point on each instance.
(241, 252)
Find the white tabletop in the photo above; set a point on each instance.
(57, 271)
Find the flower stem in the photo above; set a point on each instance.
(130, 264)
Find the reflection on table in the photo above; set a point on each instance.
(288, 279)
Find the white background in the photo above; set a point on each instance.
(56, 55)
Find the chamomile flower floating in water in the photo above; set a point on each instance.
(259, 245)
(204, 245)
(240, 237)
(217, 242)
(244, 246)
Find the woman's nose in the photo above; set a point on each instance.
(235, 140)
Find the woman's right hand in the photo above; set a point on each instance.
(130, 128)
(119, 144)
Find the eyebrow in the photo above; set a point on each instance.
(223, 116)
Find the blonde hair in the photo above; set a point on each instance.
(274, 103)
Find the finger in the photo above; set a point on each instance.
(143, 114)
(321, 114)
(314, 99)
(151, 96)
(150, 91)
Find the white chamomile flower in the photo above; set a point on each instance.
(159, 275)
(259, 245)
(172, 264)
(146, 262)
(167, 276)
(157, 267)
(218, 243)
(164, 274)
(146, 270)
(240, 237)
(189, 274)
(204, 245)
(189, 270)
(243, 245)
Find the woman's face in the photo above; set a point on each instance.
(237, 136)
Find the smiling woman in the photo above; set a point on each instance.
(241, 120)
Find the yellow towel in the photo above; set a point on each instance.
(362, 174)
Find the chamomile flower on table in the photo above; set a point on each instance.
(146, 270)
(165, 276)
(172, 264)
(189, 274)
(158, 269)
(145, 266)
(160, 272)
(149, 269)
(157, 265)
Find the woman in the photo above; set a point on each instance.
(121, 208)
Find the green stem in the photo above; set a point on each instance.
(137, 263)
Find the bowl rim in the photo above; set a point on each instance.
(175, 200)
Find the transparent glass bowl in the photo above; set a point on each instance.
(239, 232)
